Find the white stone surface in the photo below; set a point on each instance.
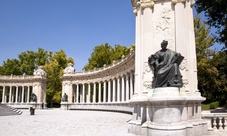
(58, 122)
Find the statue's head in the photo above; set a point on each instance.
(164, 44)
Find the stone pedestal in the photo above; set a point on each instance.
(64, 106)
(166, 113)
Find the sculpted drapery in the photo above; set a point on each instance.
(165, 64)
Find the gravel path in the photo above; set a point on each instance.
(56, 122)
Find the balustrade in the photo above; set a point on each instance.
(216, 121)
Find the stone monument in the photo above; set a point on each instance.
(39, 88)
(164, 106)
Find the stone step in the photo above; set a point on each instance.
(7, 110)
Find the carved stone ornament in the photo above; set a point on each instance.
(147, 69)
(177, 1)
(39, 72)
(192, 2)
(147, 4)
(183, 65)
(147, 84)
(69, 69)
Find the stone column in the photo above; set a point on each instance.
(118, 89)
(3, 94)
(83, 94)
(99, 92)
(127, 88)
(28, 94)
(123, 88)
(94, 92)
(131, 85)
(22, 98)
(109, 91)
(10, 94)
(77, 93)
(104, 92)
(89, 93)
(13, 94)
(6, 91)
(114, 90)
(16, 94)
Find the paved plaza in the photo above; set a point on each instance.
(56, 122)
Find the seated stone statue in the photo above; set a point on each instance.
(33, 98)
(165, 64)
(64, 98)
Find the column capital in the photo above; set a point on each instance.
(150, 4)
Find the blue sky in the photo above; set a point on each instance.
(75, 26)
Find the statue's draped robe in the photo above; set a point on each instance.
(165, 64)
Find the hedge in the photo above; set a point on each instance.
(214, 105)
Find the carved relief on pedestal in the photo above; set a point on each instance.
(147, 75)
(147, 84)
(163, 26)
(185, 83)
(183, 65)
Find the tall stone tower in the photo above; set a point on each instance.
(170, 20)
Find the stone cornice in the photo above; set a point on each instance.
(151, 3)
(19, 80)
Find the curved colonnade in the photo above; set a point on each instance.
(107, 88)
(17, 90)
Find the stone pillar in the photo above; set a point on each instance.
(89, 93)
(22, 98)
(104, 92)
(127, 87)
(114, 90)
(94, 92)
(10, 94)
(131, 85)
(122, 88)
(83, 94)
(3, 94)
(28, 94)
(118, 89)
(16, 94)
(99, 92)
(109, 91)
(77, 93)
(13, 94)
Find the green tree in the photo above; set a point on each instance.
(10, 67)
(220, 61)
(207, 72)
(100, 56)
(106, 54)
(54, 69)
(216, 14)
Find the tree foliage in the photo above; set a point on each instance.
(216, 14)
(105, 54)
(54, 69)
(53, 65)
(211, 80)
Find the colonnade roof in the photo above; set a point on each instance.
(117, 68)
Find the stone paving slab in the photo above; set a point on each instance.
(56, 122)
